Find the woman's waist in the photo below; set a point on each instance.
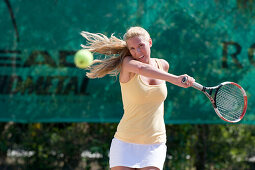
(139, 126)
(139, 137)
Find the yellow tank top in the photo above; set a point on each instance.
(143, 118)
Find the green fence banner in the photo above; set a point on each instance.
(213, 41)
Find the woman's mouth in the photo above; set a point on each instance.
(140, 57)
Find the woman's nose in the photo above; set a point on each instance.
(138, 51)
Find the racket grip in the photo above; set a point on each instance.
(198, 86)
(194, 85)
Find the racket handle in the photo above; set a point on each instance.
(194, 85)
(198, 86)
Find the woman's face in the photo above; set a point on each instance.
(139, 48)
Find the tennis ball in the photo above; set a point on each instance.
(83, 58)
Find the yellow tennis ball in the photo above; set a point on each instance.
(83, 58)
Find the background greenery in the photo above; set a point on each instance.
(190, 35)
(196, 37)
(60, 146)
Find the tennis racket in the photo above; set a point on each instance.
(229, 99)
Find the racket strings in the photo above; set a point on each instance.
(230, 102)
(230, 105)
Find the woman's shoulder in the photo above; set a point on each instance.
(127, 59)
(164, 63)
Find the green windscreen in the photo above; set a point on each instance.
(213, 41)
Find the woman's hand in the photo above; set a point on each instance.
(189, 82)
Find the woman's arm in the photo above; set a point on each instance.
(131, 65)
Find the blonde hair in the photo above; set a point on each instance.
(113, 47)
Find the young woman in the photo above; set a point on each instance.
(139, 142)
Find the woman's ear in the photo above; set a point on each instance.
(150, 42)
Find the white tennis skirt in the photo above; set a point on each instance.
(137, 155)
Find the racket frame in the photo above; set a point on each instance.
(213, 100)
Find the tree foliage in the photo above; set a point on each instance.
(60, 146)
